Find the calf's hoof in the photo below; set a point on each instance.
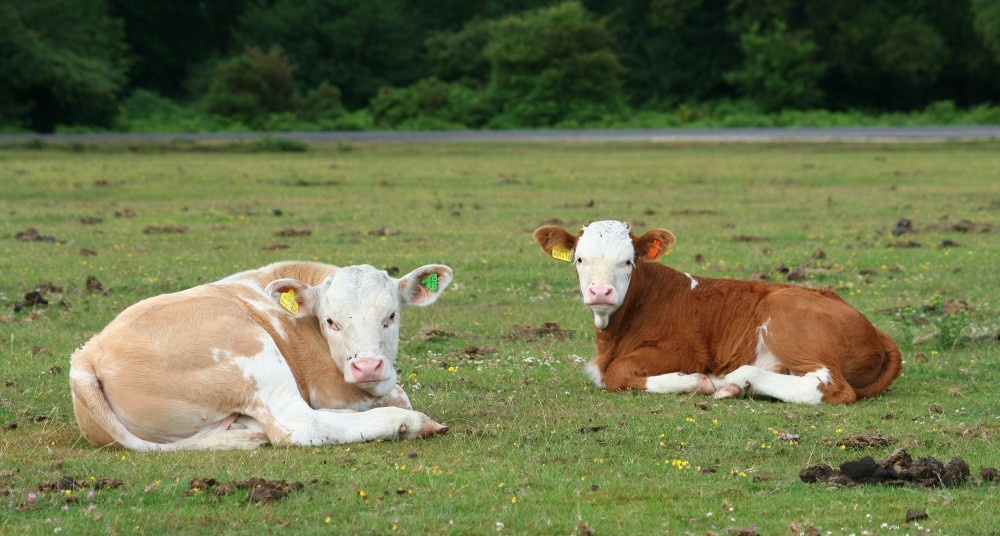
(426, 428)
(705, 385)
(431, 428)
(728, 391)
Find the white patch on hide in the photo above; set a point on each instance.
(694, 282)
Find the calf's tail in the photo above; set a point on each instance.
(892, 366)
(94, 416)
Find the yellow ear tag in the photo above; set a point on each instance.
(562, 254)
(288, 302)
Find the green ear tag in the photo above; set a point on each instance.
(287, 301)
(431, 282)
(562, 254)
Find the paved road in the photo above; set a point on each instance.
(940, 133)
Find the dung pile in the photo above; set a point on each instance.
(899, 469)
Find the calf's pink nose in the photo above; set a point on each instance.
(367, 369)
(600, 293)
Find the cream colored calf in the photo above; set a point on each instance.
(294, 353)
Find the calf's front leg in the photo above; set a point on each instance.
(646, 369)
(751, 380)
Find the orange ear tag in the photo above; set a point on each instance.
(287, 301)
(654, 249)
(562, 254)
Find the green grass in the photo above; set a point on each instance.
(533, 448)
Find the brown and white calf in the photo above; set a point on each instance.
(294, 353)
(665, 331)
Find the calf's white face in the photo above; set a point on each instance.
(604, 258)
(358, 310)
(604, 253)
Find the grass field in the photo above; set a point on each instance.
(533, 447)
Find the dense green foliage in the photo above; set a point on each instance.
(63, 62)
(496, 64)
(252, 85)
(551, 65)
(778, 69)
(534, 447)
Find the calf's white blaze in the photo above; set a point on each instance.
(604, 261)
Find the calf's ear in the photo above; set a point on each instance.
(294, 297)
(424, 285)
(555, 241)
(652, 245)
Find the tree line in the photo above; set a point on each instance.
(349, 64)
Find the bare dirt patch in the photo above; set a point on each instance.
(547, 329)
(903, 226)
(963, 226)
(749, 238)
(293, 232)
(436, 334)
(473, 352)
(94, 285)
(693, 212)
(862, 441)
(70, 483)
(383, 231)
(261, 490)
(39, 298)
(165, 229)
(906, 226)
(989, 474)
(32, 235)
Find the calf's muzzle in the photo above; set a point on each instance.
(600, 295)
(367, 369)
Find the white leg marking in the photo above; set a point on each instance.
(302, 425)
(801, 389)
(594, 373)
(289, 420)
(674, 382)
